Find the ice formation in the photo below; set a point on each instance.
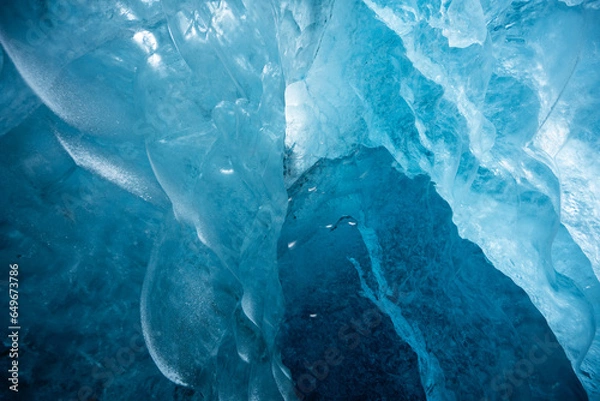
(299, 199)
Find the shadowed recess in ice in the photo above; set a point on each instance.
(388, 278)
(451, 146)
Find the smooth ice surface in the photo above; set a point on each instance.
(149, 150)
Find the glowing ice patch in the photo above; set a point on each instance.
(146, 41)
(154, 60)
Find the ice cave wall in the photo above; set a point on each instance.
(497, 102)
(490, 101)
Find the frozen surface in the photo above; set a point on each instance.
(154, 154)
(399, 266)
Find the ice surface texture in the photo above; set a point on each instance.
(398, 264)
(328, 199)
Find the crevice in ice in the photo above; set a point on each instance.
(467, 323)
(302, 145)
(432, 377)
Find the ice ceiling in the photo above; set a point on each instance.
(301, 199)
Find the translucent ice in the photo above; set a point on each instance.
(440, 294)
(494, 122)
(291, 172)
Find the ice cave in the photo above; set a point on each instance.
(300, 200)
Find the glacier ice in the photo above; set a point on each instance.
(300, 199)
(405, 258)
